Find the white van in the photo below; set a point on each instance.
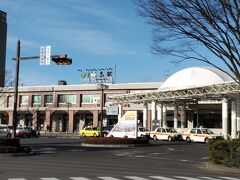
(127, 129)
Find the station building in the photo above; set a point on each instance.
(69, 108)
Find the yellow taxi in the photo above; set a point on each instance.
(90, 131)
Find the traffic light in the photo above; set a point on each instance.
(62, 60)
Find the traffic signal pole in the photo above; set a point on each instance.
(14, 121)
(15, 105)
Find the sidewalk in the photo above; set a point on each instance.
(58, 134)
(219, 168)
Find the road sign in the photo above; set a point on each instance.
(112, 110)
(48, 55)
(42, 55)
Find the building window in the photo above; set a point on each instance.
(37, 99)
(67, 98)
(48, 99)
(90, 98)
(24, 100)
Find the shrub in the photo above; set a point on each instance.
(112, 140)
(225, 152)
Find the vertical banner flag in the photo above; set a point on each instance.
(42, 55)
(48, 55)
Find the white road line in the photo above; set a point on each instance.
(108, 178)
(135, 178)
(170, 149)
(209, 178)
(204, 158)
(79, 178)
(229, 178)
(187, 178)
(50, 178)
(161, 177)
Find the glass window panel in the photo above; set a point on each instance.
(24, 99)
(72, 99)
(90, 98)
(49, 99)
(62, 98)
(37, 99)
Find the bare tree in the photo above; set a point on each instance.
(187, 28)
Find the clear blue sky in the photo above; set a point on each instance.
(94, 33)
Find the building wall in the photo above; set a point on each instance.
(65, 117)
(3, 42)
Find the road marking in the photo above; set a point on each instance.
(161, 177)
(49, 178)
(229, 178)
(170, 149)
(135, 178)
(79, 178)
(108, 178)
(186, 178)
(209, 178)
(139, 156)
(204, 158)
(183, 160)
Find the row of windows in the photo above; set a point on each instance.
(65, 98)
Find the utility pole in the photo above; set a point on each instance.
(15, 114)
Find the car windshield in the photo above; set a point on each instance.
(207, 131)
(142, 129)
(170, 130)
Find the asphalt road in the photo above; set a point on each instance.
(64, 158)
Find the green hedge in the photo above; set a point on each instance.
(110, 140)
(225, 152)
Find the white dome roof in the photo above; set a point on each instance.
(195, 77)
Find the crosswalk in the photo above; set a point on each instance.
(136, 178)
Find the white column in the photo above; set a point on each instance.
(175, 116)
(160, 114)
(145, 115)
(164, 116)
(119, 112)
(233, 120)
(225, 118)
(183, 116)
(153, 110)
(238, 117)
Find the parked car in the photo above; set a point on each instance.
(201, 135)
(5, 131)
(106, 130)
(90, 131)
(169, 134)
(143, 132)
(26, 132)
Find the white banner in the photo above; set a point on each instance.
(42, 55)
(48, 55)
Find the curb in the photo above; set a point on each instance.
(219, 168)
(108, 145)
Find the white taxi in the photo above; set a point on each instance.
(169, 134)
(200, 135)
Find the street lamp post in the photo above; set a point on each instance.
(102, 87)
